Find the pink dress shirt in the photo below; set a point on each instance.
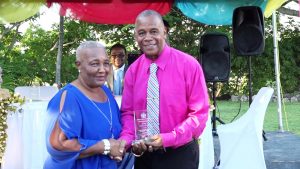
(184, 101)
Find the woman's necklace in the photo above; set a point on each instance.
(110, 113)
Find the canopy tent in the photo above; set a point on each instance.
(115, 12)
(211, 12)
(95, 11)
(216, 12)
(16, 11)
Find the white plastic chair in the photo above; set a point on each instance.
(241, 141)
(36, 92)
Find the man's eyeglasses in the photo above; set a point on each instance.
(118, 56)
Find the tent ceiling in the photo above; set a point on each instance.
(211, 12)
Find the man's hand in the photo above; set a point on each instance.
(154, 142)
(121, 150)
(117, 149)
(139, 147)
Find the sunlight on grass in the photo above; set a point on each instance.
(227, 110)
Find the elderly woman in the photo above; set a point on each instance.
(84, 118)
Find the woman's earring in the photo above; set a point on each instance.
(79, 71)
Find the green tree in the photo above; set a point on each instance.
(30, 57)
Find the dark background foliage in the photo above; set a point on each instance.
(29, 58)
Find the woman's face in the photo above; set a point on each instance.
(94, 66)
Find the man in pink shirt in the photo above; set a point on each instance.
(183, 99)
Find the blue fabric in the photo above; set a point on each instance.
(117, 82)
(82, 120)
(214, 12)
(127, 162)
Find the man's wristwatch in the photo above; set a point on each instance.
(106, 147)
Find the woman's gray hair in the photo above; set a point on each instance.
(87, 45)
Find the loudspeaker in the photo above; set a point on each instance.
(215, 57)
(248, 30)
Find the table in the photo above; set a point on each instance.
(207, 156)
(26, 142)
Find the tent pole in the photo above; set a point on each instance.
(59, 52)
(277, 72)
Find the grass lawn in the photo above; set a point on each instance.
(227, 110)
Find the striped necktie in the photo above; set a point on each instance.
(153, 101)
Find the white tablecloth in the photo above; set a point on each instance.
(26, 146)
(207, 155)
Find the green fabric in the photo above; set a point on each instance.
(12, 11)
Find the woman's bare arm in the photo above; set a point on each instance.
(59, 141)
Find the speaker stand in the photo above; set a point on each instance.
(250, 91)
(250, 80)
(214, 118)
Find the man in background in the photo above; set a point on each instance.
(118, 57)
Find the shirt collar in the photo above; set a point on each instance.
(162, 59)
(120, 69)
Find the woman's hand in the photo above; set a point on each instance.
(117, 149)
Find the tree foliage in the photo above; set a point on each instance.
(32, 57)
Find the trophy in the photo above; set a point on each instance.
(140, 125)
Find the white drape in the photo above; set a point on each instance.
(206, 158)
(241, 141)
(26, 145)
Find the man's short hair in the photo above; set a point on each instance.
(149, 12)
(117, 45)
(87, 45)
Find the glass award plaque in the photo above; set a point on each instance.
(140, 124)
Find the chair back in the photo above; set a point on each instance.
(241, 141)
(36, 92)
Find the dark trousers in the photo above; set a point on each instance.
(184, 157)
